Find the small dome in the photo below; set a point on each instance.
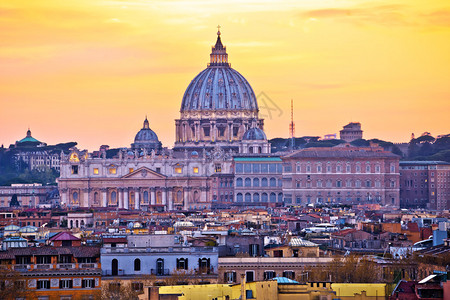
(146, 138)
(146, 135)
(254, 134)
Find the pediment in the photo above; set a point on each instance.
(144, 173)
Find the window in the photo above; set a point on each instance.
(137, 286)
(338, 183)
(137, 264)
(264, 182)
(249, 276)
(256, 182)
(239, 182)
(253, 250)
(182, 263)
(230, 277)
(43, 259)
(368, 183)
(269, 275)
(178, 170)
(393, 168)
(43, 284)
(66, 284)
(218, 168)
(289, 274)
(308, 169)
(88, 283)
(338, 169)
(367, 168)
(95, 171)
(377, 168)
(319, 183)
(358, 183)
(195, 170)
(74, 170)
(358, 169)
(328, 169)
(319, 169)
(112, 170)
(347, 168)
(273, 182)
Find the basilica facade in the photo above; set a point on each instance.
(218, 119)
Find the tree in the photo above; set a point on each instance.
(12, 285)
(14, 202)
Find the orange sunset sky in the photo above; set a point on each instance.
(90, 70)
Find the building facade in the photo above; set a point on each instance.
(342, 174)
(351, 131)
(28, 195)
(258, 180)
(425, 184)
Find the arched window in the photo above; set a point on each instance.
(264, 197)
(280, 197)
(137, 264)
(256, 182)
(255, 197)
(114, 267)
(238, 197)
(248, 197)
(273, 197)
(273, 182)
(239, 182)
(264, 182)
(248, 182)
(160, 267)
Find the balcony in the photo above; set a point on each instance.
(44, 266)
(65, 266)
(21, 268)
(88, 265)
(160, 272)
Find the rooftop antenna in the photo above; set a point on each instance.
(292, 126)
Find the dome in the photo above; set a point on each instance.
(219, 87)
(146, 138)
(254, 134)
(146, 134)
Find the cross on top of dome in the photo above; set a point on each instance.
(219, 56)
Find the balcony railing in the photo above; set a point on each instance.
(159, 250)
(160, 272)
(89, 266)
(65, 266)
(44, 266)
(21, 267)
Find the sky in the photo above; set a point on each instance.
(91, 70)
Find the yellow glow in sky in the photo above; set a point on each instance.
(90, 70)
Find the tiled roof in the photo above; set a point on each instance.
(329, 152)
(299, 242)
(82, 251)
(64, 236)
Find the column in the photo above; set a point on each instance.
(120, 197)
(125, 198)
(153, 196)
(164, 196)
(85, 198)
(104, 199)
(136, 199)
(64, 197)
(170, 190)
(186, 198)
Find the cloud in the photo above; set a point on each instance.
(439, 17)
(385, 15)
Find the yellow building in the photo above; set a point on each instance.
(369, 291)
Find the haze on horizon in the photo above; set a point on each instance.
(89, 71)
